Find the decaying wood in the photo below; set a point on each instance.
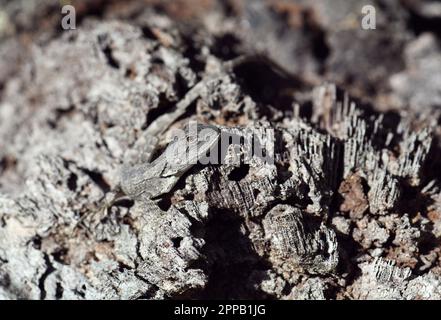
(348, 207)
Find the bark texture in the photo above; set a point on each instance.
(350, 208)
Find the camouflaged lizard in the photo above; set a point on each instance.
(146, 181)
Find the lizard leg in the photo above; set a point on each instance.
(109, 200)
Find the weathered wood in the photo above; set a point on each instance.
(339, 200)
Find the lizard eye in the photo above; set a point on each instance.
(191, 139)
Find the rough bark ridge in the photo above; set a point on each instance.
(350, 208)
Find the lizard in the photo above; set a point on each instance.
(147, 180)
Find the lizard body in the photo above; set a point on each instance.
(150, 180)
